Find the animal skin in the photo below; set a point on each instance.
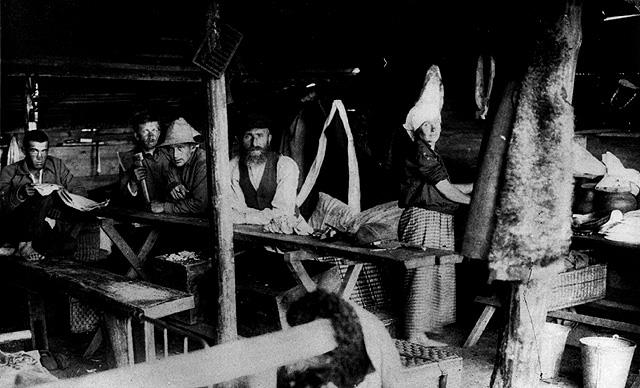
(533, 227)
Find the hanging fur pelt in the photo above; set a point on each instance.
(534, 214)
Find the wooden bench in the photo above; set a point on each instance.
(256, 360)
(118, 297)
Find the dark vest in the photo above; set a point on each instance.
(260, 199)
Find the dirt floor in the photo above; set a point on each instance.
(477, 360)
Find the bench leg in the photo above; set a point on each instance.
(302, 276)
(149, 243)
(350, 280)
(94, 345)
(128, 253)
(37, 322)
(481, 324)
(121, 339)
(149, 342)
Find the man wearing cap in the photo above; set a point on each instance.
(263, 183)
(152, 170)
(187, 179)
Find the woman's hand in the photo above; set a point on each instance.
(466, 188)
(452, 193)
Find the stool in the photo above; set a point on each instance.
(428, 366)
(491, 304)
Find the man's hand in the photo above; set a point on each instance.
(179, 192)
(26, 191)
(157, 207)
(140, 173)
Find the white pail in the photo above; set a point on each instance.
(606, 361)
(552, 344)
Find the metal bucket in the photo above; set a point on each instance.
(552, 344)
(606, 361)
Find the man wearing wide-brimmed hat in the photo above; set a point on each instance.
(263, 182)
(188, 172)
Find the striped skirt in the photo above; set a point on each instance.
(430, 291)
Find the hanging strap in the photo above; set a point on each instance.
(353, 194)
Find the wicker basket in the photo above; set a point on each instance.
(579, 286)
(82, 317)
(427, 366)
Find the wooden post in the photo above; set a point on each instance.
(217, 148)
(37, 322)
(219, 178)
(518, 254)
(519, 355)
(121, 338)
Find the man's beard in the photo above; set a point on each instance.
(252, 157)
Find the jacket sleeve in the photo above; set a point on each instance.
(196, 201)
(8, 195)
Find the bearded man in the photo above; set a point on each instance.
(263, 182)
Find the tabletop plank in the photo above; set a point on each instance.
(95, 285)
(144, 217)
(410, 258)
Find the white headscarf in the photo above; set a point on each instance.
(429, 105)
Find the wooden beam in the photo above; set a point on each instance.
(110, 230)
(219, 176)
(15, 336)
(80, 68)
(596, 321)
(220, 363)
(149, 242)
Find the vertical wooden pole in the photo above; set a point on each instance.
(219, 179)
(573, 18)
(121, 337)
(37, 322)
(519, 356)
(1, 88)
(217, 148)
(547, 87)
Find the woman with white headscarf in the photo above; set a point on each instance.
(429, 200)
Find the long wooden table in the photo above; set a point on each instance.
(120, 299)
(295, 248)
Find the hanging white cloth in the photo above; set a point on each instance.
(353, 193)
(14, 154)
(484, 85)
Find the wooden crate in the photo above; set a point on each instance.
(428, 366)
(184, 276)
(579, 286)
